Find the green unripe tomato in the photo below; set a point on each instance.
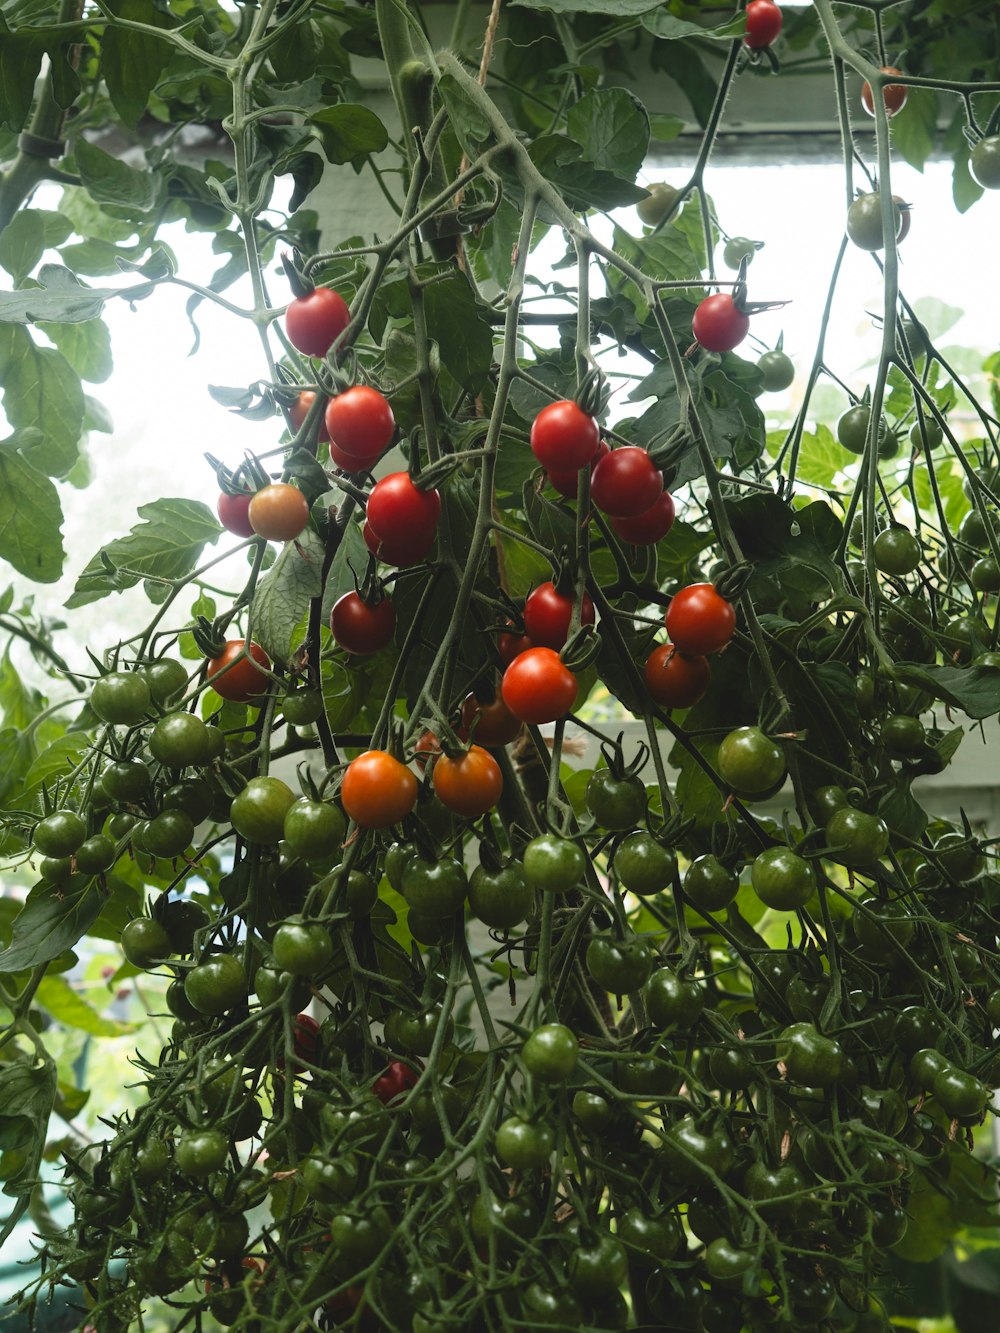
(166, 679)
(550, 1053)
(168, 834)
(856, 838)
(709, 884)
(314, 830)
(616, 803)
(659, 201)
(750, 762)
(553, 864)
(302, 948)
(200, 1152)
(500, 898)
(360, 894)
(180, 739)
(126, 780)
(933, 431)
(736, 249)
(95, 855)
(303, 707)
(896, 551)
(778, 371)
(59, 834)
(903, 737)
(216, 985)
(258, 812)
(673, 1001)
(121, 698)
(643, 865)
(984, 162)
(145, 942)
(524, 1145)
(782, 879)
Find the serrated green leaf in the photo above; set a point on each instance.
(167, 544)
(49, 922)
(85, 345)
(132, 61)
(282, 597)
(109, 180)
(458, 324)
(612, 128)
(41, 389)
(57, 760)
(68, 1007)
(30, 516)
(20, 62)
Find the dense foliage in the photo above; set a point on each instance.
(464, 1033)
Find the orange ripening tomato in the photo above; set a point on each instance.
(469, 785)
(538, 686)
(279, 512)
(237, 676)
(377, 790)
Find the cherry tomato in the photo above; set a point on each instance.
(360, 425)
(279, 512)
(699, 621)
(717, 324)
(258, 812)
(236, 675)
(782, 879)
(857, 838)
(566, 483)
(896, 551)
(643, 865)
(469, 785)
(511, 645)
(313, 830)
(626, 483)
(564, 438)
(763, 24)
(674, 679)
(659, 201)
(538, 687)
(303, 948)
(649, 527)
(378, 790)
(864, 222)
(299, 410)
(397, 1079)
(398, 512)
(401, 550)
(234, 513)
(216, 985)
(362, 627)
(548, 612)
(145, 942)
(709, 884)
(490, 724)
(750, 763)
(553, 864)
(315, 321)
(524, 1145)
(121, 697)
(893, 94)
(778, 370)
(984, 162)
(500, 898)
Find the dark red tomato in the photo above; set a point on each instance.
(626, 483)
(234, 514)
(397, 1079)
(510, 646)
(315, 321)
(648, 528)
(763, 24)
(538, 686)
(401, 551)
(675, 680)
(699, 621)
(718, 325)
(237, 676)
(547, 615)
(564, 438)
(893, 94)
(469, 785)
(360, 424)
(494, 723)
(399, 513)
(362, 627)
(566, 482)
(305, 1039)
(299, 410)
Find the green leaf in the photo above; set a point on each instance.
(30, 516)
(70, 1009)
(61, 297)
(282, 597)
(109, 180)
(57, 760)
(582, 186)
(26, 238)
(820, 456)
(349, 132)
(167, 544)
(612, 128)
(48, 923)
(915, 127)
(663, 24)
(42, 390)
(20, 63)
(17, 749)
(458, 324)
(86, 346)
(132, 61)
(682, 64)
(974, 689)
(20, 703)
(615, 8)
(27, 1093)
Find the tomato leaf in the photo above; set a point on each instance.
(349, 133)
(282, 597)
(68, 1007)
(132, 61)
(612, 128)
(974, 689)
(30, 514)
(109, 180)
(48, 923)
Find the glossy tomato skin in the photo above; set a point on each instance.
(717, 325)
(402, 550)
(397, 1079)
(548, 612)
(494, 723)
(377, 790)
(649, 527)
(234, 514)
(864, 222)
(362, 627)
(763, 24)
(566, 483)
(315, 321)
(699, 620)
(564, 438)
(359, 424)
(279, 512)
(538, 687)
(626, 483)
(511, 645)
(398, 511)
(984, 162)
(674, 679)
(237, 677)
(469, 785)
(299, 410)
(893, 94)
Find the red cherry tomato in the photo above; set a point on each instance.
(399, 513)
(699, 621)
(674, 680)
(402, 550)
(494, 723)
(315, 321)
(566, 482)
(397, 1079)
(511, 645)
(469, 785)
(360, 424)
(377, 790)
(305, 1039)
(234, 514)
(299, 410)
(547, 615)
(564, 438)
(626, 483)
(238, 677)
(893, 94)
(718, 325)
(538, 686)
(763, 24)
(362, 627)
(648, 528)
(428, 747)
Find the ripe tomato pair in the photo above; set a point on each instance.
(360, 426)
(626, 483)
(401, 520)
